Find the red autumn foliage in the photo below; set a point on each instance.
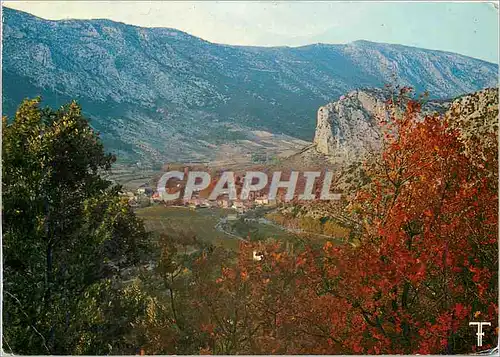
(426, 262)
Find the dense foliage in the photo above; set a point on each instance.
(420, 264)
(425, 264)
(65, 236)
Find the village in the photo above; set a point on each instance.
(146, 196)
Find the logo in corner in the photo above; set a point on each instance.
(480, 332)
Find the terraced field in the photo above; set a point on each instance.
(206, 225)
(201, 223)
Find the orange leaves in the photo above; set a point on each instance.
(300, 261)
(424, 255)
(428, 213)
(228, 273)
(205, 351)
(422, 208)
(209, 328)
(244, 275)
(278, 257)
(328, 246)
(413, 107)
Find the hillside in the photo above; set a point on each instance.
(149, 89)
(347, 132)
(347, 129)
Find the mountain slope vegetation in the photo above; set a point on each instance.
(148, 89)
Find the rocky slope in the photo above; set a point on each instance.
(149, 89)
(347, 129)
(475, 115)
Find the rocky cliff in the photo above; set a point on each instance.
(344, 127)
(148, 89)
(347, 129)
(476, 117)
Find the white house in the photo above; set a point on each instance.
(257, 256)
(141, 190)
(262, 201)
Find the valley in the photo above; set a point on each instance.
(147, 90)
(384, 240)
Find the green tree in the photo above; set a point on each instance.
(66, 236)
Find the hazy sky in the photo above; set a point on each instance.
(468, 28)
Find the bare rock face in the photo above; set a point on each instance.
(323, 138)
(159, 95)
(476, 117)
(347, 128)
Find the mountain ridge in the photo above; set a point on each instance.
(359, 41)
(148, 89)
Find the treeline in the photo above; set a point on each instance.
(66, 236)
(81, 276)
